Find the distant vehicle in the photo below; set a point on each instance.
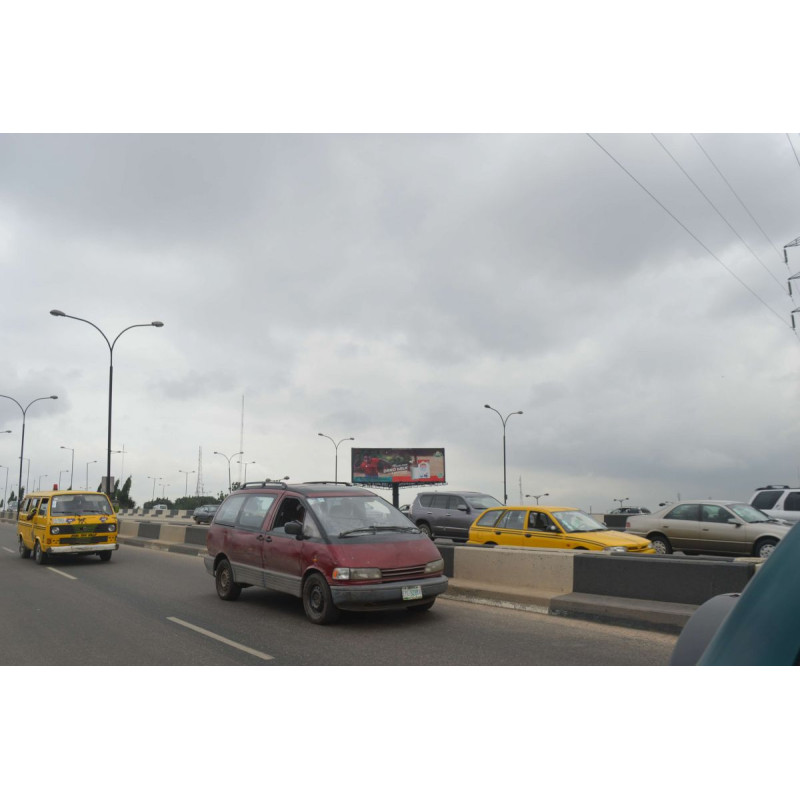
(757, 627)
(66, 523)
(781, 502)
(629, 510)
(12, 505)
(160, 507)
(449, 514)
(551, 526)
(204, 514)
(713, 527)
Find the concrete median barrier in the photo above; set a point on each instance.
(651, 591)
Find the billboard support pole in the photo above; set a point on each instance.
(396, 495)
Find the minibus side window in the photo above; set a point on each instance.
(42, 512)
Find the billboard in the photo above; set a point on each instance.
(389, 465)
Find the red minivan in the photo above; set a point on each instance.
(336, 546)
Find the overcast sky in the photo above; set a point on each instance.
(387, 287)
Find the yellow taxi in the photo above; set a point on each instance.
(551, 526)
(64, 522)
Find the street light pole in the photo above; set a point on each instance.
(537, 496)
(336, 453)
(504, 421)
(187, 474)
(5, 491)
(87, 472)
(228, 459)
(155, 324)
(618, 501)
(22, 442)
(154, 486)
(72, 466)
(245, 467)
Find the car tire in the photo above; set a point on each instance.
(426, 529)
(105, 555)
(39, 555)
(317, 600)
(24, 552)
(418, 609)
(227, 588)
(660, 544)
(764, 547)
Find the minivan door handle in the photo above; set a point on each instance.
(262, 538)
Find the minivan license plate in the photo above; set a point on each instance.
(412, 593)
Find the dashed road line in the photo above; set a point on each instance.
(9, 550)
(217, 637)
(65, 574)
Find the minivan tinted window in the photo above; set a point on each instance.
(230, 510)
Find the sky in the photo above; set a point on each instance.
(626, 292)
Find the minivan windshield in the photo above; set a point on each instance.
(358, 515)
(73, 504)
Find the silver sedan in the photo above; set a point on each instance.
(713, 527)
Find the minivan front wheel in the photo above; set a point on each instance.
(317, 600)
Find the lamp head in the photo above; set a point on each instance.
(56, 313)
(155, 324)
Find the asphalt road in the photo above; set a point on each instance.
(149, 607)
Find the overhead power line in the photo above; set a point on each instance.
(722, 217)
(708, 250)
(719, 171)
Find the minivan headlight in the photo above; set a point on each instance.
(356, 574)
(435, 566)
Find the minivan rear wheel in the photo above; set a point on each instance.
(317, 600)
(24, 552)
(227, 588)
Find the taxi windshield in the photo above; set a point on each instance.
(74, 504)
(577, 522)
(358, 515)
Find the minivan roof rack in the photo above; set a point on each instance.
(334, 483)
(263, 484)
(776, 486)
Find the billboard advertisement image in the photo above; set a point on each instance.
(389, 465)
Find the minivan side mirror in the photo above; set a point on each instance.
(294, 528)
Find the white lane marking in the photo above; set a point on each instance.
(59, 572)
(243, 648)
(9, 550)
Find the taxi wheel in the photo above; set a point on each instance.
(227, 588)
(317, 600)
(38, 554)
(426, 529)
(105, 555)
(24, 552)
(422, 607)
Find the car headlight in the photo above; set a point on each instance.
(615, 549)
(435, 566)
(54, 530)
(356, 574)
(112, 528)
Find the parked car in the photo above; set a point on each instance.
(551, 526)
(714, 527)
(204, 514)
(781, 502)
(53, 523)
(449, 514)
(629, 510)
(337, 547)
(757, 627)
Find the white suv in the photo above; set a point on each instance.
(781, 502)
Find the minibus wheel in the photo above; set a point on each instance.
(38, 554)
(105, 555)
(24, 552)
